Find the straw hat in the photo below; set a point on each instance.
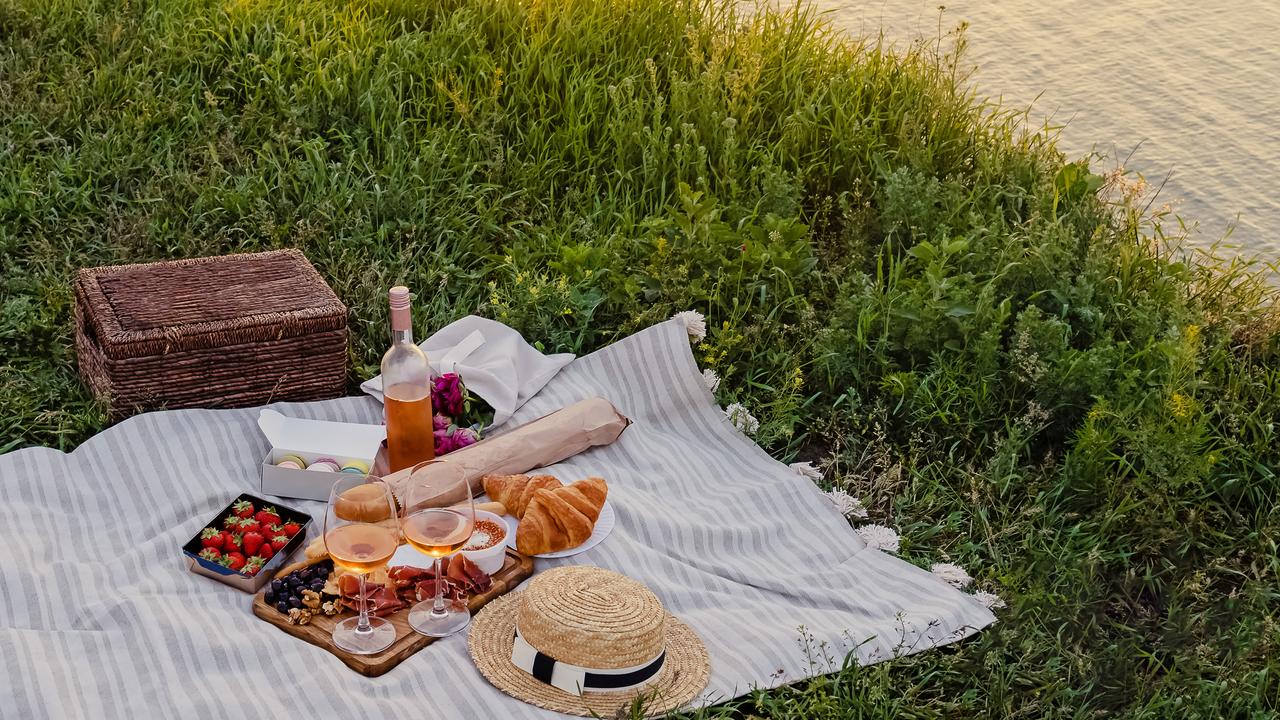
(585, 640)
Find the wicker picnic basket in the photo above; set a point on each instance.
(229, 331)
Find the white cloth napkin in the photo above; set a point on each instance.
(493, 360)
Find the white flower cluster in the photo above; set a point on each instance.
(848, 505)
(990, 600)
(959, 578)
(953, 574)
(694, 324)
(742, 419)
(806, 469)
(711, 379)
(879, 537)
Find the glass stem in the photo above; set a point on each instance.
(363, 625)
(438, 607)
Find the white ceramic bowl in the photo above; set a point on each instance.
(492, 558)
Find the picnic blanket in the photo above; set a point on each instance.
(99, 616)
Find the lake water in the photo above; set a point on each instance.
(1194, 86)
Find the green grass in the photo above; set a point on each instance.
(998, 350)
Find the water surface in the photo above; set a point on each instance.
(1193, 86)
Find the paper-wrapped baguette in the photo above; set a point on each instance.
(538, 443)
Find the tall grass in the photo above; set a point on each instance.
(1000, 351)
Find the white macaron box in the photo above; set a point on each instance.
(306, 455)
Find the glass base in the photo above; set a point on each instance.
(422, 619)
(378, 637)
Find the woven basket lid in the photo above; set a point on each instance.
(153, 308)
(590, 617)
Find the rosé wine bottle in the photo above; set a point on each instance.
(406, 389)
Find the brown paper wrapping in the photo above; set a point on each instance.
(545, 441)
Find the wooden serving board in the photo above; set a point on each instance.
(319, 631)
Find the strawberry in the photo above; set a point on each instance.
(265, 551)
(230, 541)
(268, 516)
(211, 554)
(242, 508)
(291, 528)
(278, 542)
(251, 541)
(253, 565)
(249, 525)
(233, 560)
(211, 538)
(232, 523)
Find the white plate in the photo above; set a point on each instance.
(604, 526)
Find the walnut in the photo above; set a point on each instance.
(310, 599)
(299, 616)
(332, 607)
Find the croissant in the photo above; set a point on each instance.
(561, 518)
(515, 491)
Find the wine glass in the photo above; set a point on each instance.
(361, 535)
(438, 519)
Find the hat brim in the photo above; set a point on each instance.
(684, 673)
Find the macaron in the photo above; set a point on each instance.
(356, 467)
(325, 465)
(292, 462)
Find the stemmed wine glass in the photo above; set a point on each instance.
(361, 535)
(438, 519)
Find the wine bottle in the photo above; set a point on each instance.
(406, 390)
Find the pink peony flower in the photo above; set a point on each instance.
(439, 422)
(447, 395)
(453, 438)
(464, 437)
(444, 443)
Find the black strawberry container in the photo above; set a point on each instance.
(235, 578)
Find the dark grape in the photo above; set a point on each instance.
(277, 585)
(295, 601)
(270, 596)
(282, 606)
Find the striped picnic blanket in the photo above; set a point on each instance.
(99, 616)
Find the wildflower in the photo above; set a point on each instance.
(796, 381)
(879, 537)
(954, 575)
(711, 379)
(775, 236)
(694, 324)
(848, 505)
(991, 601)
(743, 420)
(806, 469)
(446, 395)
(1180, 405)
(1097, 411)
(1193, 334)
